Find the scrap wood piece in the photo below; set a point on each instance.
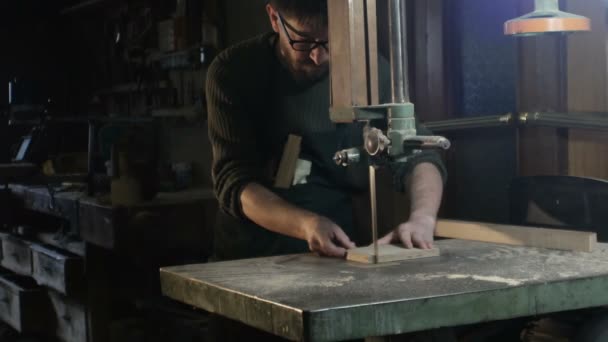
(389, 253)
(517, 235)
(289, 160)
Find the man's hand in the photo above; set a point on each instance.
(326, 238)
(417, 232)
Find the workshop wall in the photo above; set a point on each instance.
(148, 59)
(244, 19)
(29, 60)
(31, 52)
(483, 80)
(488, 58)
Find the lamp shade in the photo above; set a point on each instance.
(547, 18)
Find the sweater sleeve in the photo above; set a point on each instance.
(402, 170)
(236, 157)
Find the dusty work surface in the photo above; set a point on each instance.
(305, 297)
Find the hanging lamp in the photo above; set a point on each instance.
(547, 18)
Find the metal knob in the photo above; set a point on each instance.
(376, 142)
(347, 157)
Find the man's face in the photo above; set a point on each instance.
(302, 46)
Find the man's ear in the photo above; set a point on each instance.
(273, 17)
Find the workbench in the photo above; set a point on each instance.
(306, 297)
(82, 260)
(108, 226)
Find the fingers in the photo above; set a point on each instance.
(327, 248)
(406, 238)
(332, 250)
(419, 241)
(388, 238)
(426, 242)
(342, 239)
(324, 244)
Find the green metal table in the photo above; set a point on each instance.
(306, 297)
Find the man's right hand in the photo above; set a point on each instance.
(326, 238)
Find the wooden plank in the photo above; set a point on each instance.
(517, 235)
(389, 253)
(287, 167)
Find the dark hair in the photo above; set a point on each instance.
(304, 10)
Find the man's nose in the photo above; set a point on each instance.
(319, 55)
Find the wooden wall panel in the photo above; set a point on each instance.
(541, 88)
(542, 151)
(541, 77)
(430, 75)
(588, 89)
(588, 60)
(588, 153)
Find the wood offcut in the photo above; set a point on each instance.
(389, 253)
(289, 161)
(517, 235)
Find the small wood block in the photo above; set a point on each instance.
(389, 253)
(287, 166)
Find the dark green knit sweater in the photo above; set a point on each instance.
(253, 105)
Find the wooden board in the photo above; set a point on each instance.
(517, 235)
(389, 253)
(287, 167)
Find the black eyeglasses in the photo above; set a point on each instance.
(301, 45)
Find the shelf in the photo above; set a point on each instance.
(178, 112)
(84, 5)
(15, 108)
(188, 58)
(134, 87)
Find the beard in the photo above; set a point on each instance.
(303, 70)
(308, 72)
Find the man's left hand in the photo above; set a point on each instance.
(417, 232)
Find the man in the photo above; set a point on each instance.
(259, 92)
